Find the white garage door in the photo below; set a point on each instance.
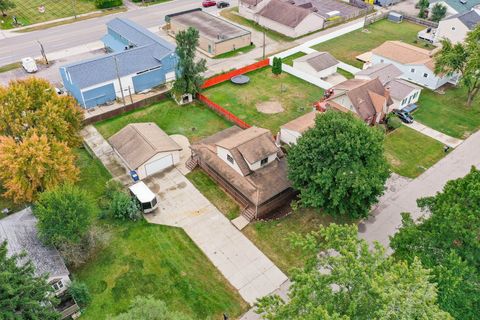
(158, 165)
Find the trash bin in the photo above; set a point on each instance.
(134, 175)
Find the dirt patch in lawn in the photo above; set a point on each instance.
(270, 107)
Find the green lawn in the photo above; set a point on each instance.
(447, 112)
(144, 259)
(410, 153)
(294, 95)
(27, 11)
(350, 45)
(214, 193)
(289, 60)
(235, 52)
(232, 15)
(195, 121)
(345, 73)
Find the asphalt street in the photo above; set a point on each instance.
(12, 49)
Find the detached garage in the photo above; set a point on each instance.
(291, 131)
(145, 148)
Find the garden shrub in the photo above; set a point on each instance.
(104, 4)
(393, 122)
(79, 291)
(124, 207)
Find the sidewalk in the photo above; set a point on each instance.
(443, 138)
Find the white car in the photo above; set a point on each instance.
(29, 65)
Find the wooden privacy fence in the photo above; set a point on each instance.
(227, 76)
(222, 112)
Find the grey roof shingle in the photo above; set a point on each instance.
(20, 231)
(318, 60)
(385, 72)
(470, 18)
(147, 54)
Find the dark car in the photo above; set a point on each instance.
(222, 4)
(404, 116)
(208, 3)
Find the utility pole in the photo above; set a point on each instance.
(42, 51)
(119, 81)
(74, 9)
(263, 44)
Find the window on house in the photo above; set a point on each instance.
(229, 158)
(412, 70)
(403, 101)
(425, 75)
(263, 161)
(415, 95)
(57, 285)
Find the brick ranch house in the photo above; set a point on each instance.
(249, 166)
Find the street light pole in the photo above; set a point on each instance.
(42, 51)
(119, 81)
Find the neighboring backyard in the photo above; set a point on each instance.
(28, 12)
(410, 153)
(267, 101)
(142, 259)
(447, 112)
(195, 121)
(345, 48)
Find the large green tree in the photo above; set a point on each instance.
(23, 296)
(6, 5)
(189, 72)
(447, 241)
(438, 12)
(147, 308)
(339, 165)
(350, 280)
(423, 6)
(463, 59)
(64, 215)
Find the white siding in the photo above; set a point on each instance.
(304, 66)
(257, 165)
(250, 12)
(289, 136)
(312, 22)
(223, 153)
(142, 173)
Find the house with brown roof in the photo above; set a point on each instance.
(416, 64)
(319, 64)
(145, 148)
(295, 18)
(403, 93)
(291, 131)
(250, 166)
(368, 99)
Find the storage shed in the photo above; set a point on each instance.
(145, 148)
(291, 131)
(320, 64)
(395, 17)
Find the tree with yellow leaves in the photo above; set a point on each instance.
(38, 130)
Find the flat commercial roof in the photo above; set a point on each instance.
(210, 26)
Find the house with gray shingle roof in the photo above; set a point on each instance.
(456, 27)
(137, 60)
(319, 64)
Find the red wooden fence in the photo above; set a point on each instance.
(224, 113)
(227, 76)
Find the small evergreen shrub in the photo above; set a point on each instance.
(104, 4)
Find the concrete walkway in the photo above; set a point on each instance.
(432, 133)
(182, 205)
(386, 218)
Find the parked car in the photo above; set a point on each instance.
(29, 65)
(208, 3)
(403, 115)
(222, 4)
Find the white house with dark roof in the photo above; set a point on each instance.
(403, 93)
(20, 232)
(456, 27)
(145, 148)
(319, 64)
(139, 58)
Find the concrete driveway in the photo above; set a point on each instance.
(234, 255)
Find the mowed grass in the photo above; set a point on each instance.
(448, 112)
(27, 11)
(294, 95)
(345, 48)
(289, 60)
(195, 121)
(214, 193)
(163, 262)
(410, 153)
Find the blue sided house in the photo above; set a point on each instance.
(138, 60)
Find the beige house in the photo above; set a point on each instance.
(319, 64)
(250, 8)
(145, 148)
(456, 27)
(291, 131)
(368, 99)
(250, 166)
(403, 93)
(217, 36)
